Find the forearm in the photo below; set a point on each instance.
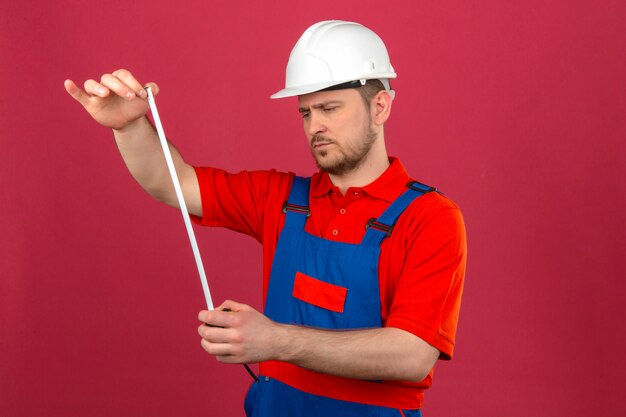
(141, 150)
(373, 354)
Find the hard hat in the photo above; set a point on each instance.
(332, 53)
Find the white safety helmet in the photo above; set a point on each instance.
(336, 54)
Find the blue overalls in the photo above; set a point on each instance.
(326, 284)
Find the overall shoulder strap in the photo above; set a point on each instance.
(297, 206)
(381, 227)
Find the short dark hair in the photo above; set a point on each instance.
(369, 90)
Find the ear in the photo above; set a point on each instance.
(380, 107)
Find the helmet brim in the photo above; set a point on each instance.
(301, 90)
(312, 88)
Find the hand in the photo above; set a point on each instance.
(244, 335)
(116, 101)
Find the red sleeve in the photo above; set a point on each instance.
(239, 201)
(428, 295)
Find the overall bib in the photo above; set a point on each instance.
(326, 284)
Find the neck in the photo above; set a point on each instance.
(367, 172)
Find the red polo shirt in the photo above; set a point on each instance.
(421, 265)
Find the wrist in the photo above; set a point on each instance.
(289, 343)
(131, 128)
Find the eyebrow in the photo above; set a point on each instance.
(319, 105)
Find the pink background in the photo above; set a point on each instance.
(515, 109)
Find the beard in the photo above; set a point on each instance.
(348, 158)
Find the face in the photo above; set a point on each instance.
(338, 126)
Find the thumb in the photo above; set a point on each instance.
(154, 87)
(78, 94)
(233, 306)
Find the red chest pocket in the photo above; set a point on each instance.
(319, 293)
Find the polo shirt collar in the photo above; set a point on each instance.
(386, 187)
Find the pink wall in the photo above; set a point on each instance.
(514, 109)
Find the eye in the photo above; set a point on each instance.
(329, 109)
(304, 114)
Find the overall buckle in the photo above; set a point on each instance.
(296, 208)
(376, 225)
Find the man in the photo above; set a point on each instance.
(363, 268)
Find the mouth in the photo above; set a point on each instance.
(321, 145)
(318, 143)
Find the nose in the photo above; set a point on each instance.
(314, 124)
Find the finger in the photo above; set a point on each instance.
(222, 318)
(117, 86)
(224, 315)
(216, 349)
(204, 316)
(95, 88)
(129, 79)
(215, 318)
(78, 94)
(215, 334)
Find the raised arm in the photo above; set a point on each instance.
(119, 102)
